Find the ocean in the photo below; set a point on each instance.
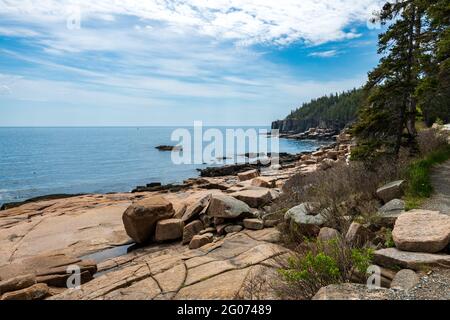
(42, 161)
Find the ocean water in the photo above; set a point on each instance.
(42, 161)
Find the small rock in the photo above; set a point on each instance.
(391, 191)
(36, 292)
(190, 230)
(208, 230)
(248, 175)
(328, 234)
(253, 224)
(271, 223)
(264, 182)
(200, 240)
(422, 231)
(318, 153)
(351, 291)
(169, 148)
(205, 219)
(195, 208)
(358, 235)
(255, 198)
(405, 279)
(326, 164)
(170, 229)
(141, 217)
(302, 216)
(233, 228)
(389, 213)
(395, 205)
(220, 229)
(332, 154)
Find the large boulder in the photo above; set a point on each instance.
(392, 190)
(141, 217)
(192, 229)
(328, 234)
(224, 206)
(393, 258)
(302, 215)
(405, 279)
(422, 231)
(248, 175)
(255, 198)
(169, 229)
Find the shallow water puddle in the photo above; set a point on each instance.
(104, 255)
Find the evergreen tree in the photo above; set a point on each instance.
(433, 91)
(390, 111)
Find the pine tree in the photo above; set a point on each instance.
(390, 112)
(433, 91)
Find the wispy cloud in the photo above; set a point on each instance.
(324, 54)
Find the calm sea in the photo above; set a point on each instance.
(41, 161)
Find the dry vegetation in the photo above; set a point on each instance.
(345, 193)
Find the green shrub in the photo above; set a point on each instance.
(317, 264)
(389, 240)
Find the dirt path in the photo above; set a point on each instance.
(440, 179)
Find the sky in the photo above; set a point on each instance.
(173, 62)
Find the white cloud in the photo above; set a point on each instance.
(245, 21)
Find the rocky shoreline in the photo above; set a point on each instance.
(39, 238)
(203, 239)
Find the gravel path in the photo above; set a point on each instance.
(434, 286)
(440, 179)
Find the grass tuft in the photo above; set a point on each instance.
(418, 176)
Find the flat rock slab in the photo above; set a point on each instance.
(51, 269)
(215, 271)
(392, 258)
(75, 226)
(422, 231)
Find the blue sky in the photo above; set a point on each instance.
(162, 62)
